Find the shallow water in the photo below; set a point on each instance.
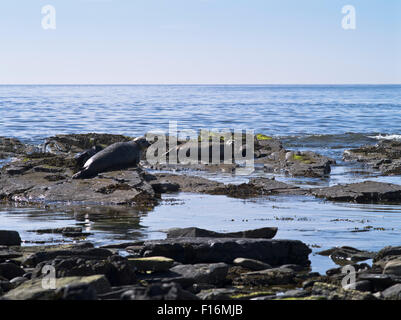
(317, 118)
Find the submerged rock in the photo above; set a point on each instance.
(363, 192)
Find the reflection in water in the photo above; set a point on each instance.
(319, 224)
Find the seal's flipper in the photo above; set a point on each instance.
(83, 174)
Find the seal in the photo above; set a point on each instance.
(116, 156)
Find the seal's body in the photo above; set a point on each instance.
(116, 156)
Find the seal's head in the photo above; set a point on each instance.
(142, 142)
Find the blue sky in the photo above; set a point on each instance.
(200, 41)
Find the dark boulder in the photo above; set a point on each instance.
(192, 232)
(9, 238)
(211, 250)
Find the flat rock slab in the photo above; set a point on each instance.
(192, 232)
(363, 192)
(33, 289)
(168, 182)
(124, 187)
(211, 250)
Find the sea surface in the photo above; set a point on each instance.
(324, 119)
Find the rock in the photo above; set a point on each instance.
(211, 250)
(333, 292)
(10, 270)
(378, 282)
(266, 233)
(116, 269)
(385, 255)
(155, 264)
(384, 156)
(41, 256)
(7, 253)
(73, 232)
(295, 293)
(18, 280)
(256, 186)
(393, 267)
(9, 238)
(33, 289)
(364, 285)
(77, 291)
(393, 292)
(32, 184)
(217, 294)
(251, 264)
(214, 273)
(363, 192)
(167, 291)
(268, 277)
(346, 255)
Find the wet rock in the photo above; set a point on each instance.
(10, 147)
(116, 269)
(393, 292)
(295, 293)
(334, 292)
(94, 253)
(217, 294)
(393, 267)
(272, 186)
(306, 163)
(385, 255)
(273, 276)
(378, 282)
(154, 264)
(34, 290)
(73, 232)
(384, 156)
(75, 143)
(77, 291)
(167, 291)
(363, 192)
(32, 183)
(7, 253)
(9, 238)
(214, 273)
(364, 285)
(10, 270)
(347, 255)
(193, 232)
(251, 264)
(211, 250)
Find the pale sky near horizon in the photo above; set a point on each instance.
(200, 42)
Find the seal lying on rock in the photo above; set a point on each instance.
(116, 156)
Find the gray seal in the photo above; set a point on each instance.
(119, 155)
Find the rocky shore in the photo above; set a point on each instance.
(194, 264)
(191, 263)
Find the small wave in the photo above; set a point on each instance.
(387, 137)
